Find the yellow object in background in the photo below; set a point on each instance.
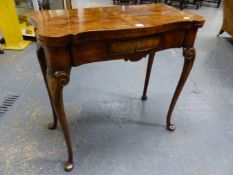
(30, 30)
(10, 27)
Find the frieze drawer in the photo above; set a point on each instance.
(133, 45)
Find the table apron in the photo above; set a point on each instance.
(125, 48)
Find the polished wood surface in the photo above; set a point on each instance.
(69, 38)
(89, 22)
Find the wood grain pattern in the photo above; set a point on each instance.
(69, 38)
(109, 22)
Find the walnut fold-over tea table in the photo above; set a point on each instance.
(70, 38)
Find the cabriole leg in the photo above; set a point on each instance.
(43, 66)
(220, 32)
(56, 81)
(189, 57)
(148, 71)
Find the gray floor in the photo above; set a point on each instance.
(113, 132)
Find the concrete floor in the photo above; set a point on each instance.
(113, 132)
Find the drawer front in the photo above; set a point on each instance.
(133, 45)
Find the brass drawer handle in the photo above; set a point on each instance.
(138, 47)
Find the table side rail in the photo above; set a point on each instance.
(129, 49)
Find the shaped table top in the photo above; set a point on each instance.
(110, 22)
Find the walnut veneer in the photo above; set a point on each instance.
(70, 38)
